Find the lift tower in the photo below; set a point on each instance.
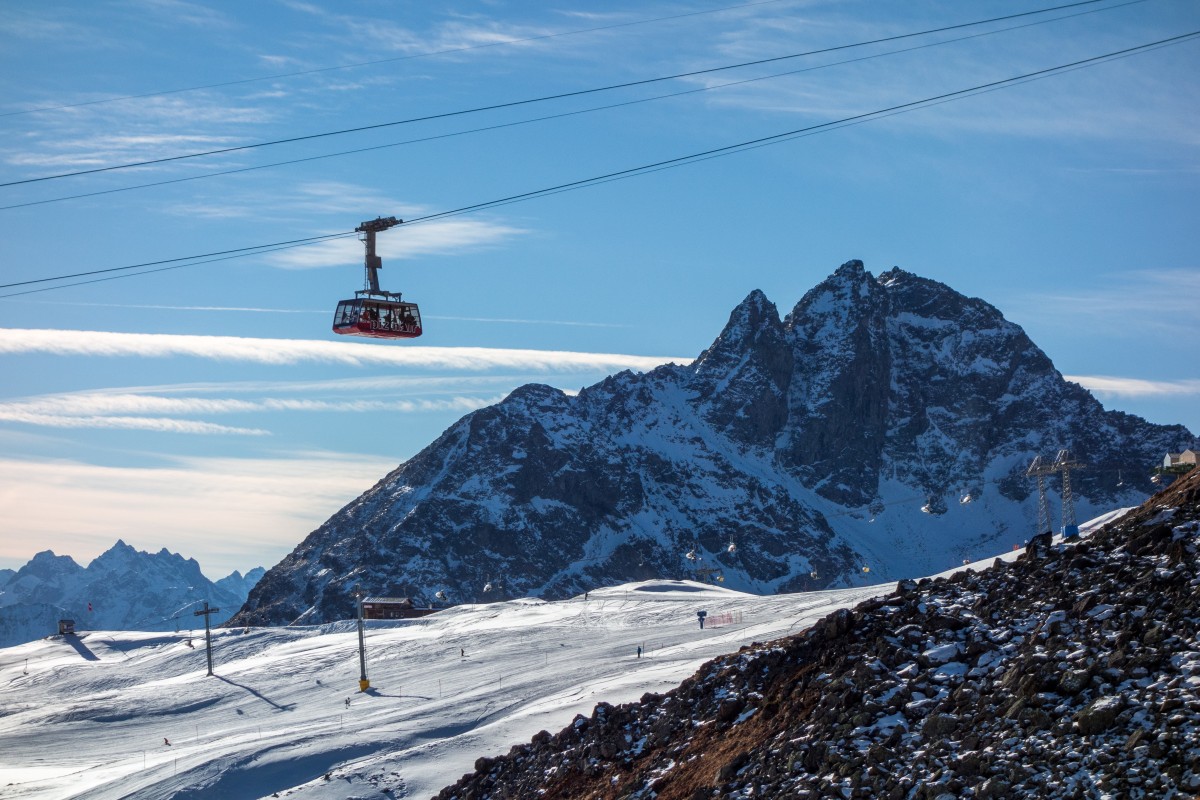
(1039, 469)
(1064, 463)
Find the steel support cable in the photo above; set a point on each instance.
(848, 122)
(190, 263)
(528, 101)
(843, 122)
(429, 54)
(235, 252)
(683, 160)
(562, 115)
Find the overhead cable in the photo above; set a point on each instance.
(679, 161)
(237, 250)
(545, 98)
(427, 54)
(705, 154)
(577, 112)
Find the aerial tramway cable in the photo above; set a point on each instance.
(528, 101)
(357, 64)
(667, 163)
(561, 115)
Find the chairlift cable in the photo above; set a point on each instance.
(513, 103)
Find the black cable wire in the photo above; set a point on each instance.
(681, 160)
(447, 51)
(562, 115)
(242, 250)
(236, 254)
(811, 128)
(514, 103)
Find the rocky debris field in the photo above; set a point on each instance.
(1072, 672)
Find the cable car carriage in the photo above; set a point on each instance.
(382, 315)
(374, 312)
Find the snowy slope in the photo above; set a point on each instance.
(89, 717)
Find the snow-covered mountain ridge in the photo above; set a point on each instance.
(122, 588)
(881, 429)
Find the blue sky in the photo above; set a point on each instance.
(209, 409)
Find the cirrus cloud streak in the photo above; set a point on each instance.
(21, 341)
(1135, 387)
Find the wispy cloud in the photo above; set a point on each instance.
(1152, 299)
(447, 236)
(94, 151)
(295, 351)
(134, 130)
(334, 200)
(266, 505)
(379, 385)
(106, 403)
(175, 12)
(156, 424)
(148, 412)
(1136, 387)
(1134, 98)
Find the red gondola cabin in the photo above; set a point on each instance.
(380, 315)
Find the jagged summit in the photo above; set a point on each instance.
(881, 429)
(122, 588)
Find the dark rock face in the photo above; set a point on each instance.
(802, 441)
(1070, 672)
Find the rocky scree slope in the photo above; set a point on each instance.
(1073, 672)
(814, 443)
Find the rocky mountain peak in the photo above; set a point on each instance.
(47, 565)
(122, 588)
(753, 326)
(882, 429)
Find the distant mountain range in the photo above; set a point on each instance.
(121, 589)
(880, 430)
